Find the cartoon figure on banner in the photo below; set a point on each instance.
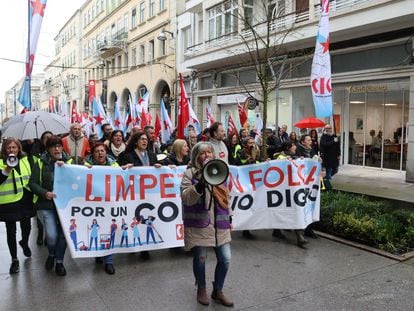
(72, 231)
(124, 229)
(135, 226)
(150, 230)
(113, 228)
(94, 234)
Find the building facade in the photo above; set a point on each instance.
(122, 52)
(127, 47)
(371, 43)
(12, 106)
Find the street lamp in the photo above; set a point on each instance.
(162, 36)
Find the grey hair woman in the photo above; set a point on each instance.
(207, 223)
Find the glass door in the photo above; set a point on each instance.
(358, 152)
(374, 131)
(393, 129)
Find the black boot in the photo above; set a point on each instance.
(301, 241)
(26, 250)
(247, 235)
(14, 267)
(277, 233)
(310, 233)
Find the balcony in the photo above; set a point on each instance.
(117, 42)
(348, 19)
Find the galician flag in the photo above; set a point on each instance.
(37, 11)
(118, 119)
(321, 67)
(98, 116)
(193, 121)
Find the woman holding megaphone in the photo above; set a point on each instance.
(15, 197)
(207, 221)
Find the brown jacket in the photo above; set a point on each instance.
(200, 236)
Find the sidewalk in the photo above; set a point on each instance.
(265, 274)
(389, 184)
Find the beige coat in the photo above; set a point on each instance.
(208, 236)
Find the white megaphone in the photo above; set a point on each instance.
(12, 160)
(215, 172)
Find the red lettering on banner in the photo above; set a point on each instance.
(278, 182)
(179, 231)
(311, 175)
(107, 188)
(143, 186)
(88, 192)
(236, 183)
(122, 190)
(253, 180)
(300, 175)
(164, 185)
(290, 177)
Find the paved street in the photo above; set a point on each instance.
(266, 274)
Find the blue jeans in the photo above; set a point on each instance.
(55, 238)
(330, 171)
(223, 255)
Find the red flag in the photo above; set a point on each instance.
(52, 104)
(242, 114)
(157, 126)
(74, 114)
(92, 90)
(231, 128)
(146, 119)
(210, 119)
(183, 110)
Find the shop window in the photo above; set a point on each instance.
(247, 76)
(228, 79)
(206, 83)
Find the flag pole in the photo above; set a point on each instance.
(29, 77)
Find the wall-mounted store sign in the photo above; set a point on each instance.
(367, 88)
(232, 98)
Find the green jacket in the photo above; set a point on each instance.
(41, 181)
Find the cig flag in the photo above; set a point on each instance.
(321, 67)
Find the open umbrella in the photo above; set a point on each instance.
(310, 122)
(33, 124)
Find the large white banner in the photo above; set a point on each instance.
(106, 210)
(276, 194)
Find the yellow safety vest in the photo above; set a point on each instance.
(114, 164)
(12, 189)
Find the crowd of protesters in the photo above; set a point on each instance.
(28, 187)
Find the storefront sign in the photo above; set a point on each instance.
(367, 88)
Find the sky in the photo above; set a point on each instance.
(13, 37)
